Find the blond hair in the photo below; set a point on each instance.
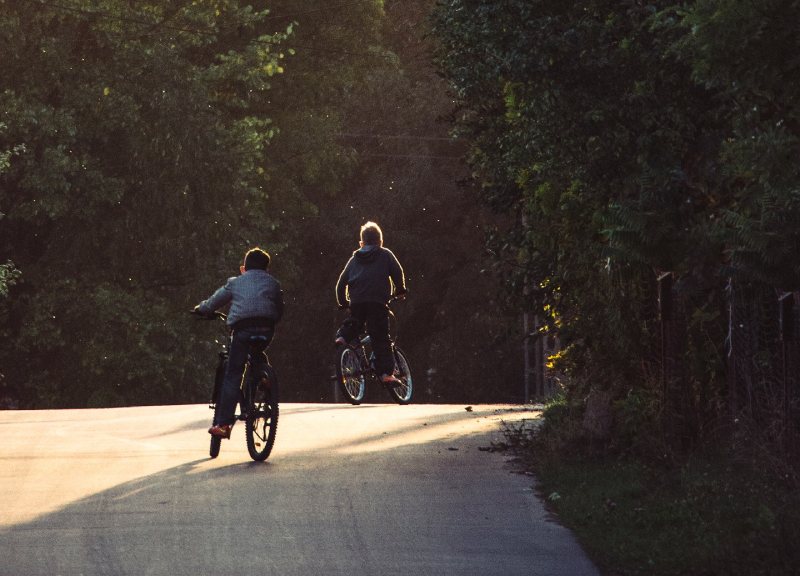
(371, 234)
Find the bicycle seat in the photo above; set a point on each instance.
(258, 343)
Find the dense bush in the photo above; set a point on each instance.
(623, 140)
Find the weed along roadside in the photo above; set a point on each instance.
(719, 511)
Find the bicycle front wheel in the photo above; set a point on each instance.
(261, 425)
(216, 442)
(351, 375)
(402, 392)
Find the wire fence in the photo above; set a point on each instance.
(542, 381)
(753, 335)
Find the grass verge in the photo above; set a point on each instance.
(712, 515)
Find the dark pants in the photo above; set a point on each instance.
(237, 358)
(376, 316)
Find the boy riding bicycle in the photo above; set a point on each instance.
(365, 286)
(256, 306)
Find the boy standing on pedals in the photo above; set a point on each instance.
(256, 306)
(365, 286)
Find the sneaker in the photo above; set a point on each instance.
(390, 379)
(221, 431)
(340, 341)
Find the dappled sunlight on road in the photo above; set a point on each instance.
(54, 457)
(387, 427)
(372, 489)
(57, 457)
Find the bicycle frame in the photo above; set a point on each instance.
(249, 382)
(356, 364)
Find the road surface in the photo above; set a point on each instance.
(348, 490)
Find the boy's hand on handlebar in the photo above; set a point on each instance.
(196, 310)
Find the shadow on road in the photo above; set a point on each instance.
(376, 489)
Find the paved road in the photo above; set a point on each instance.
(368, 490)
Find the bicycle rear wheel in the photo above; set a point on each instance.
(261, 425)
(402, 392)
(350, 375)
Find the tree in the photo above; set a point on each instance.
(148, 146)
(390, 159)
(135, 146)
(626, 139)
(736, 49)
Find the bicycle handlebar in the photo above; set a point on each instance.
(393, 298)
(220, 315)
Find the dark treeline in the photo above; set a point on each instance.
(145, 146)
(629, 139)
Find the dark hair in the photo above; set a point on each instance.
(371, 234)
(257, 259)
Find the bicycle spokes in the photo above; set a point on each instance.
(403, 391)
(350, 370)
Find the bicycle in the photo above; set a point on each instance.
(258, 399)
(355, 364)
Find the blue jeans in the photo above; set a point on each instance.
(238, 352)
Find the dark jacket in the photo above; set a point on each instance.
(370, 275)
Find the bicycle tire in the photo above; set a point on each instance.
(402, 393)
(261, 425)
(216, 442)
(350, 375)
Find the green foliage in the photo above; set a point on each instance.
(133, 357)
(144, 146)
(556, 412)
(8, 277)
(634, 431)
(622, 140)
(706, 518)
(553, 145)
(133, 137)
(735, 49)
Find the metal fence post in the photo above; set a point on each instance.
(733, 393)
(665, 308)
(526, 358)
(786, 324)
(665, 312)
(540, 360)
